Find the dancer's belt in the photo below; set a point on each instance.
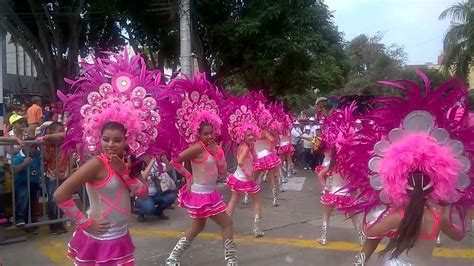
(283, 143)
(202, 189)
(263, 153)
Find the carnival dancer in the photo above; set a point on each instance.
(418, 162)
(284, 149)
(198, 124)
(267, 160)
(243, 129)
(333, 184)
(112, 116)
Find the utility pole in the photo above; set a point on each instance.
(185, 38)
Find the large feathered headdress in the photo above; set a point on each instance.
(425, 130)
(116, 88)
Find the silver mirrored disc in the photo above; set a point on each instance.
(395, 134)
(380, 147)
(376, 182)
(465, 164)
(374, 214)
(383, 197)
(418, 121)
(456, 147)
(374, 164)
(463, 181)
(440, 134)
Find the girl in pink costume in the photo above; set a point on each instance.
(266, 157)
(333, 184)
(416, 168)
(243, 129)
(284, 149)
(335, 195)
(109, 118)
(198, 123)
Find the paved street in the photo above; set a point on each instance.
(290, 230)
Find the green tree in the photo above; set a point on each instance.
(287, 48)
(55, 33)
(458, 43)
(436, 76)
(371, 61)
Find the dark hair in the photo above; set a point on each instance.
(112, 125)
(36, 100)
(409, 228)
(203, 124)
(54, 126)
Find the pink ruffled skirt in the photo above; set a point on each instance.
(242, 187)
(88, 251)
(288, 148)
(268, 162)
(201, 205)
(337, 201)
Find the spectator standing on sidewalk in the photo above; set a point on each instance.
(308, 147)
(30, 158)
(161, 190)
(35, 115)
(296, 133)
(53, 160)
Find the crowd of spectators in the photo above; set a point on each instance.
(32, 167)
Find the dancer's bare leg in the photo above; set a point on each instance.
(232, 203)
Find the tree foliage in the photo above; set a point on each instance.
(286, 48)
(458, 43)
(371, 61)
(55, 33)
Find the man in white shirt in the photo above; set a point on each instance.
(307, 146)
(314, 126)
(296, 133)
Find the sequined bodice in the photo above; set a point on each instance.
(335, 181)
(110, 201)
(262, 148)
(247, 165)
(205, 173)
(284, 140)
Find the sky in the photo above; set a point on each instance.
(413, 24)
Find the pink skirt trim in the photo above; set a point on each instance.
(201, 205)
(85, 250)
(242, 187)
(288, 148)
(268, 162)
(337, 201)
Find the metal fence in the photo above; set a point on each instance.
(40, 207)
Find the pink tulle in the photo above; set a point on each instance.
(242, 187)
(286, 149)
(85, 250)
(419, 152)
(337, 201)
(201, 205)
(268, 162)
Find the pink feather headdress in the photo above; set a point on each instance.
(424, 130)
(113, 90)
(201, 103)
(240, 119)
(259, 106)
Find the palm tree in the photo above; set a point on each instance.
(459, 40)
